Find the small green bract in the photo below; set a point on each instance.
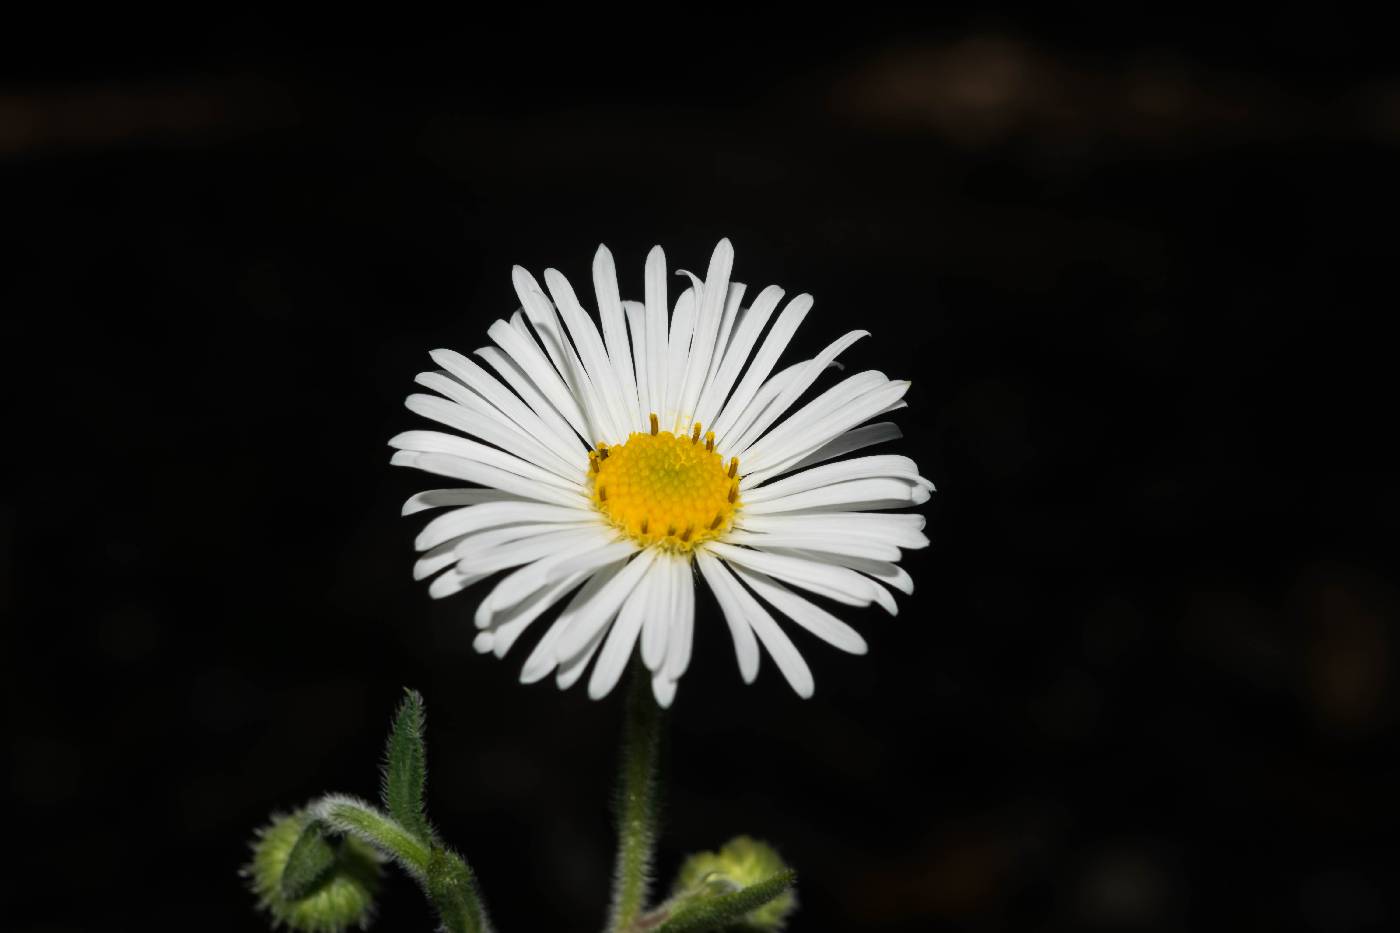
(343, 900)
(741, 862)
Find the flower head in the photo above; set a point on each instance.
(611, 465)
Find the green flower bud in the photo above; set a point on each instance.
(743, 861)
(339, 897)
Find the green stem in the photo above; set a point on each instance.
(636, 817)
(348, 815)
(452, 889)
(443, 874)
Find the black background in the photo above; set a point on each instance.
(1147, 678)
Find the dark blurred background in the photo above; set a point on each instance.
(1135, 267)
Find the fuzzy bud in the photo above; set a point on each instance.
(330, 889)
(741, 863)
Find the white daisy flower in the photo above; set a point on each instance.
(611, 466)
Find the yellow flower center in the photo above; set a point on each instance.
(666, 489)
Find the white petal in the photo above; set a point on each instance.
(723, 585)
(678, 349)
(637, 324)
(793, 435)
(766, 396)
(784, 652)
(855, 495)
(657, 330)
(478, 418)
(487, 616)
(726, 328)
(575, 562)
(707, 326)
(832, 543)
(900, 529)
(522, 548)
(534, 397)
(590, 617)
(562, 444)
(838, 583)
(731, 317)
(594, 355)
(451, 583)
(480, 546)
(660, 608)
(572, 668)
(793, 391)
(603, 550)
(525, 551)
(619, 348)
(853, 440)
(491, 514)
(831, 425)
(750, 325)
(509, 625)
(436, 442)
(763, 362)
(545, 319)
(664, 689)
(525, 353)
(485, 475)
(621, 638)
(880, 465)
(681, 638)
(885, 571)
(543, 659)
(657, 627)
(436, 558)
(441, 498)
(805, 613)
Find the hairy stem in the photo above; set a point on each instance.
(357, 818)
(636, 806)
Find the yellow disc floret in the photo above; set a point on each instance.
(666, 489)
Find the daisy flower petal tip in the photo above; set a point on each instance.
(599, 458)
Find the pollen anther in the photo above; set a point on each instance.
(659, 480)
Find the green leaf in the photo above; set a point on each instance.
(406, 768)
(309, 865)
(719, 911)
(453, 891)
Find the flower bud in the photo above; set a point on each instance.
(343, 895)
(742, 861)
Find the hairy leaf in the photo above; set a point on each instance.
(406, 768)
(719, 911)
(309, 864)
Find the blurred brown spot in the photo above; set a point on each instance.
(983, 90)
(1348, 667)
(106, 115)
(960, 876)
